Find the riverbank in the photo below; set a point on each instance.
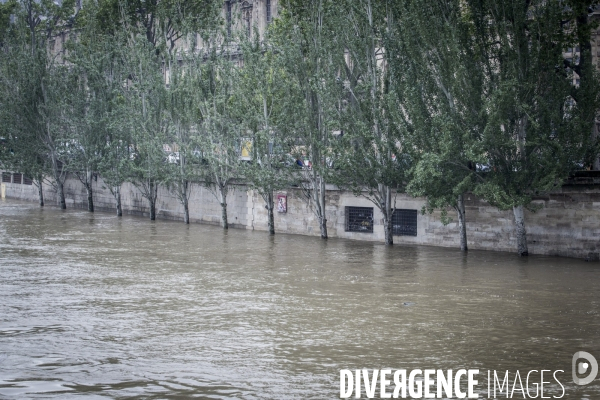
(567, 223)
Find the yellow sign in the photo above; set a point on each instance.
(246, 153)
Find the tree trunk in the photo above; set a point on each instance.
(462, 223)
(153, 189)
(90, 198)
(184, 201)
(61, 195)
(387, 216)
(186, 211)
(118, 198)
(40, 192)
(521, 232)
(270, 207)
(59, 183)
(387, 227)
(152, 210)
(90, 194)
(322, 216)
(184, 182)
(224, 222)
(323, 225)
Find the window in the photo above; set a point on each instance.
(247, 17)
(359, 219)
(27, 181)
(17, 178)
(404, 222)
(268, 11)
(6, 177)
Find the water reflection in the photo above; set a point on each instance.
(95, 305)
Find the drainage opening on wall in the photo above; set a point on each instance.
(404, 222)
(359, 219)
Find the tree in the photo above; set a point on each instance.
(579, 25)
(370, 153)
(34, 88)
(21, 152)
(536, 130)
(219, 132)
(183, 161)
(115, 165)
(162, 24)
(147, 119)
(89, 107)
(302, 36)
(261, 90)
(440, 87)
(101, 125)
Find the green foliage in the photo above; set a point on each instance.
(7, 13)
(538, 124)
(438, 98)
(371, 151)
(163, 22)
(260, 97)
(440, 84)
(146, 114)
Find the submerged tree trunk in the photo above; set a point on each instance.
(387, 227)
(59, 183)
(88, 187)
(153, 190)
(224, 222)
(184, 201)
(61, 195)
(184, 182)
(186, 211)
(387, 212)
(323, 223)
(315, 195)
(462, 223)
(320, 206)
(152, 210)
(521, 232)
(90, 199)
(117, 194)
(270, 206)
(40, 191)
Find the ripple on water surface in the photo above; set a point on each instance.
(96, 306)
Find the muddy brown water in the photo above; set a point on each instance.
(94, 306)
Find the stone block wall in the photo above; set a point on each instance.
(566, 222)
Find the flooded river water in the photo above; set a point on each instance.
(94, 306)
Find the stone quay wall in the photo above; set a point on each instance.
(566, 224)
